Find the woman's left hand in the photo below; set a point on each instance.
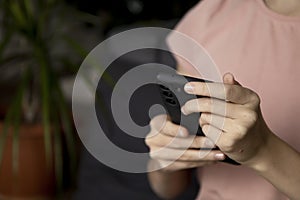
(231, 117)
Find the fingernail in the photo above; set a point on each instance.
(220, 156)
(188, 88)
(182, 133)
(183, 111)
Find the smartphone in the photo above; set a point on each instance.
(171, 89)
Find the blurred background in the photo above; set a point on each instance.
(42, 44)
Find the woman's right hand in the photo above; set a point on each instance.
(172, 148)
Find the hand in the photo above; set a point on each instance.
(172, 148)
(243, 131)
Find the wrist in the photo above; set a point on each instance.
(263, 159)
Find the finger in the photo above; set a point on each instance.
(179, 165)
(236, 127)
(233, 93)
(228, 78)
(216, 121)
(214, 106)
(186, 155)
(227, 125)
(225, 141)
(196, 142)
(212, 132)
(161, 124)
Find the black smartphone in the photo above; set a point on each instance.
(171, 89)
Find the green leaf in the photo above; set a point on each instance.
(83, 53)
(58, 155)
(12, 120)
(17, 13)
(66, 120)
(17, 121)
(29, 8)
(45, 89)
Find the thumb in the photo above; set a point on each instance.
(228, 78)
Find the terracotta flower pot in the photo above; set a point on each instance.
(34, 179)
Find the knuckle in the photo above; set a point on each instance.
(241, 131)
(158, 122)
(249, 116)
(165, 127)
(153, 123)
(203, 116)
(252, 116)
(155, 141)
(156, 153)
(208, 117)
(206, 102)
(205, 128)
(199, 88)
(151, 143)
(255, 99)
(203, 119)
(152, 147)
(170, 128)
(148, 141)
(152, 154)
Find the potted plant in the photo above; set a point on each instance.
(36, 131)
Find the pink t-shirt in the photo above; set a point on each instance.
(262, 49)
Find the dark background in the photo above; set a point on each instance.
(69, 37)
(95, 180)
(126, 12)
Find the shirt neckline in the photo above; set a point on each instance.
(276, 15)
